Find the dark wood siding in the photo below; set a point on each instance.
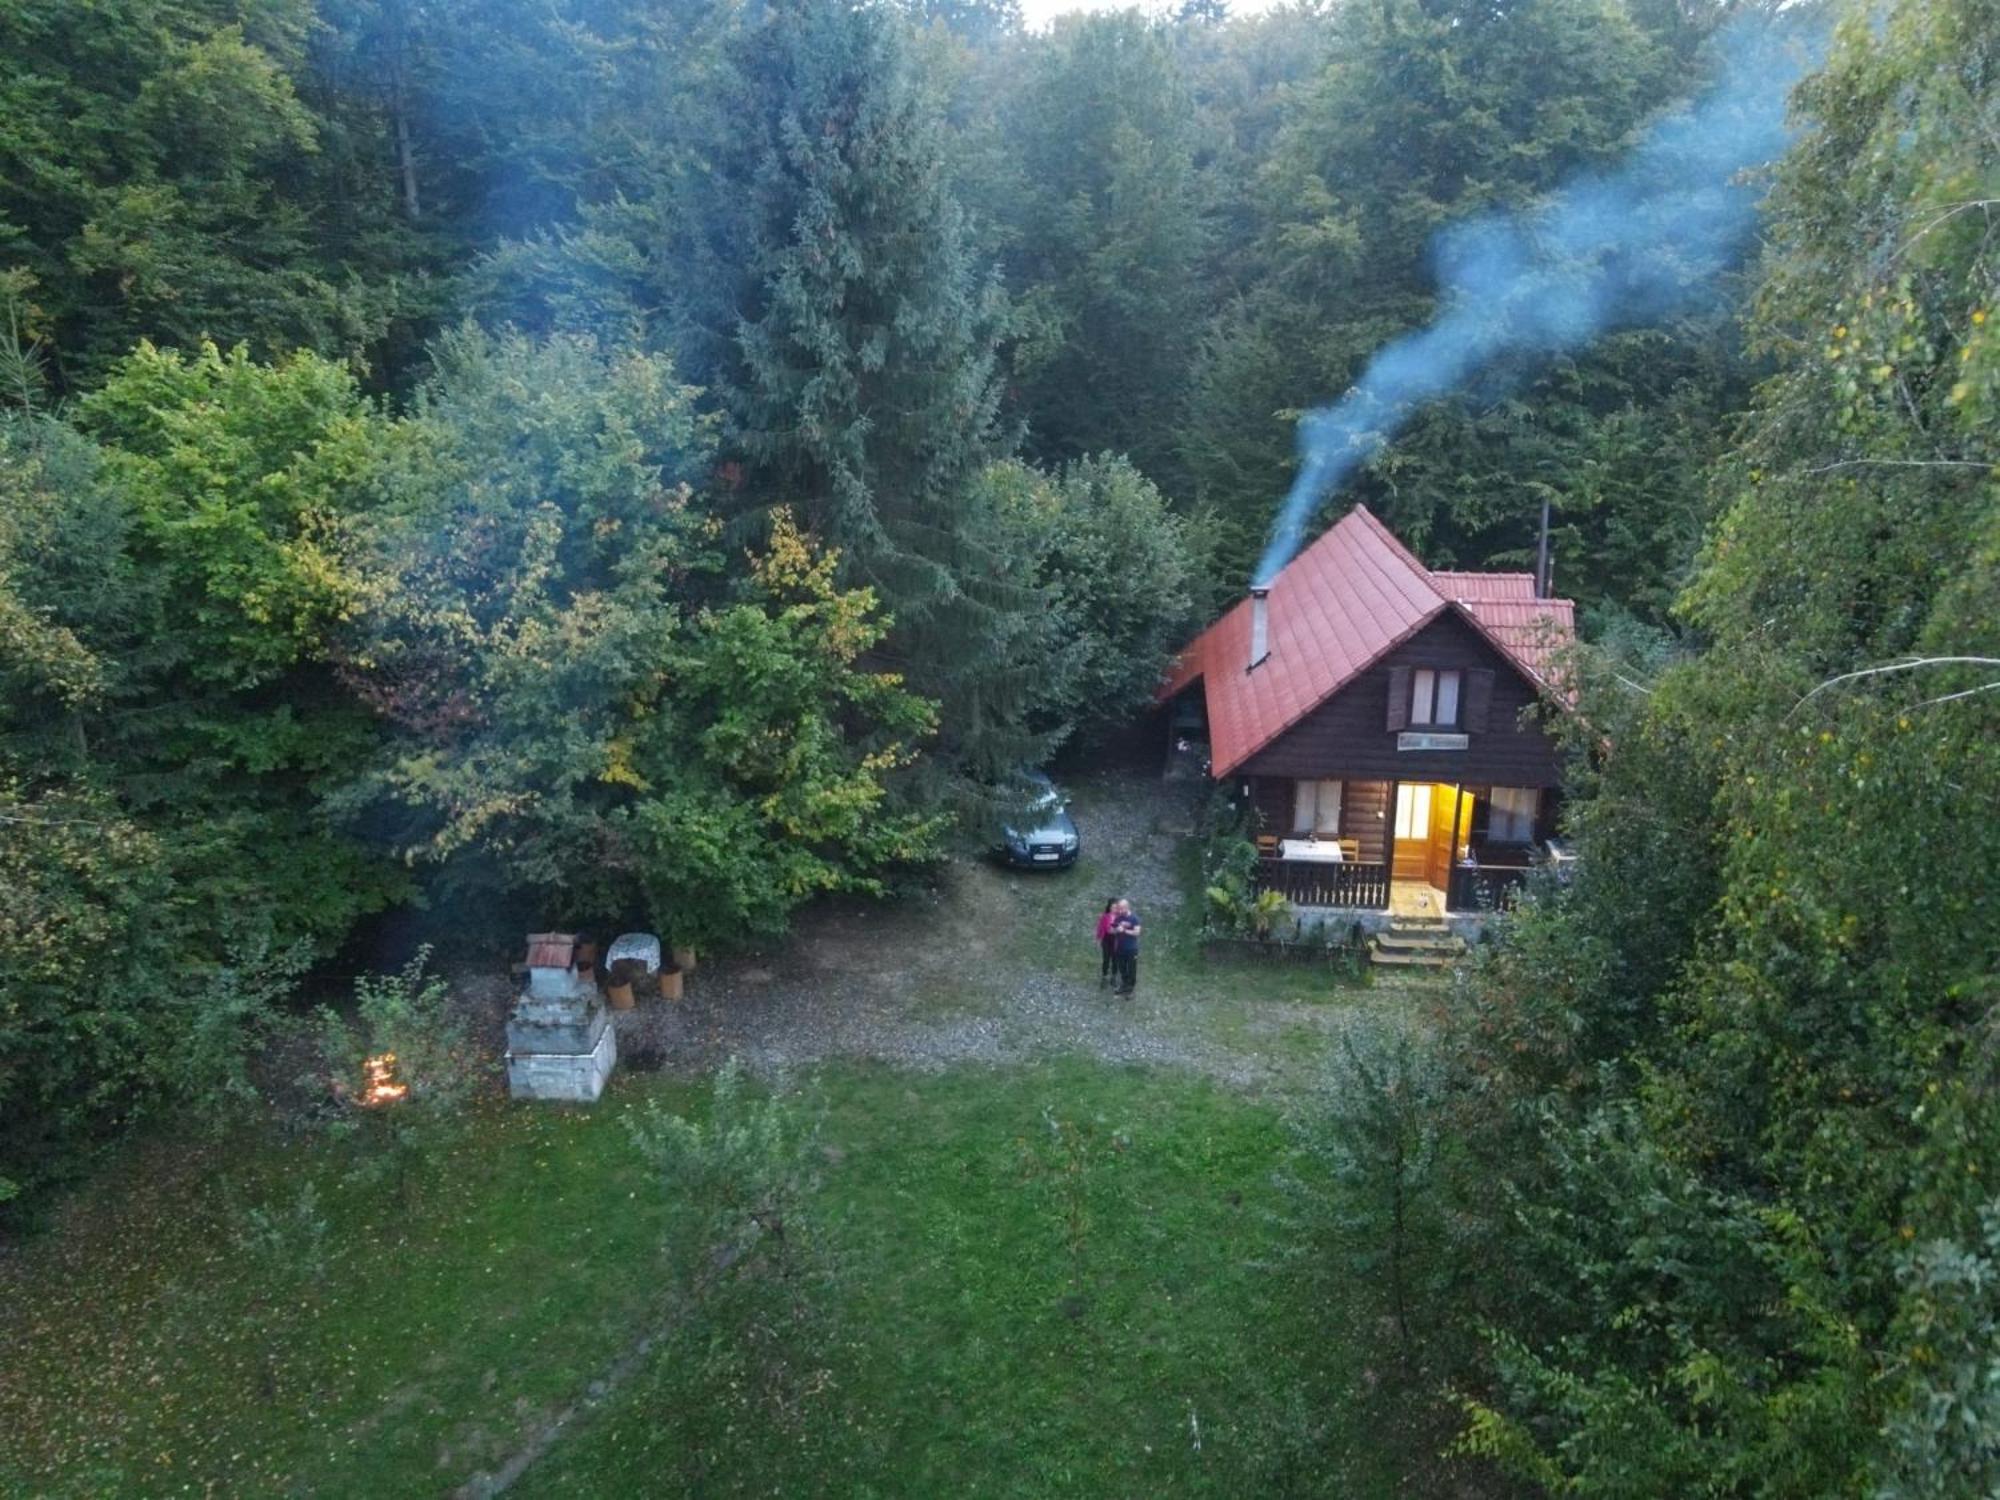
(1345, 736)
(1364, 817)
(1271, 799)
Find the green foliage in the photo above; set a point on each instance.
(1237, 911)
(104, 1017)
(585, 709)
(773, 759)
(236, 474)
(160, 177)
(1104, 224)
(1118, 574)
(739, 1179)
(745, 1338)
(1945, 1437)
(1423, 115)
(1735, 1084)
(161, 862)
(393, 1079)
(862, 388)
(1369, 1194)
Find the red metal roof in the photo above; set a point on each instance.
(1529, 630)
(551, 950)
(1483, 585)
(1349, 598)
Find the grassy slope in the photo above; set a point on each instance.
(1009, 1319)
(987, 1339)
(1017, 1318)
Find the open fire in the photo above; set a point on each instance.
(379, 1085)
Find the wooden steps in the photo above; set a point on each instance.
(1416, 943)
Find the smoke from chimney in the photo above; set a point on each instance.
(1260, 623)
(1606, 251)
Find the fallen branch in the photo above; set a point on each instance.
(1910, 665)
(1901, 463)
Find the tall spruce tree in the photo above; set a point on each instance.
(1109, 233)
(854, 336)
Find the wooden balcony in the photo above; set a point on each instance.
(1349, 884)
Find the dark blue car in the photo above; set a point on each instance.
(1042, 836)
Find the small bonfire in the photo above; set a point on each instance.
(379, 1084)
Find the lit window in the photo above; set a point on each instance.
(1413, 811)
(1512, 819)
(1433, 698)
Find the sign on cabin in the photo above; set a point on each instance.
(1414, 739)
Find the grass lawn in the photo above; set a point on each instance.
(1014, 1311)
(1054, 1275)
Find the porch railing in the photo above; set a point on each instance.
(1485, 887)
(1361, 887)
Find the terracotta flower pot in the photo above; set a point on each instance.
(684, 959)
(619, 993)
(670, 984)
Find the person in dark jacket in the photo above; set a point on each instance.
(1125, 930)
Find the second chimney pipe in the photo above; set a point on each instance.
(1260, 623)
(1543, 582)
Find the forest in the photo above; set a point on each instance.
(475, 466)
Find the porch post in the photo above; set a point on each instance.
(1389, 846)
(1451, 855)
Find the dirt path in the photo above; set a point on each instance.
(1000, 966)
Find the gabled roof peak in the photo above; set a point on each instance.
(1352, 595)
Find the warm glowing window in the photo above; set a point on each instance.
(1434, 697)
(1316, 808)
(1413, 811)
(1512, 819)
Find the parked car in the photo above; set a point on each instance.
(1042, 836)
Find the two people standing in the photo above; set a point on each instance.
(1118, 932)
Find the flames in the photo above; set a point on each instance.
(379, 1085)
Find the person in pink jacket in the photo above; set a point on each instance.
(1107, 945)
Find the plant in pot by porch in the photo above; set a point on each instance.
(1263, 912)
(1236, 912)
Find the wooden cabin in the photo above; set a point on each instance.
(1376, 713)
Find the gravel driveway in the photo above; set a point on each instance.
(998, 967)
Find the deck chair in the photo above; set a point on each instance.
(1267, 845)
(1350, 849)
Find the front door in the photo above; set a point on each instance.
(1451, 816)
(1413, 831)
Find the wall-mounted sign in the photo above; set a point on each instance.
(1416, 739)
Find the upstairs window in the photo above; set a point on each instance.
(1434, 698)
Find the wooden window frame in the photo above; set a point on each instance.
(1429, 686)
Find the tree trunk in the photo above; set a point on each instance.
(406, 157)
